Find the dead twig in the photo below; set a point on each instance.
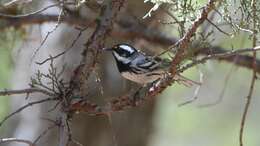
(223, 91)
(35, 12)
(196, 92)
(48, 33)
(44, 133)
(7, 140)
(252, 85)
(219, 29)
(66, 50)
(25, 91)
(26, 106)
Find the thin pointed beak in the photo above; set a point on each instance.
(107, 49)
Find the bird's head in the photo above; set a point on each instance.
(123, 53)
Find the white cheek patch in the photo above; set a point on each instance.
(127, 48)
(121, 59)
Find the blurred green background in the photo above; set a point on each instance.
(9, 39)
(6, 45)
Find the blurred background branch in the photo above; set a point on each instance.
(128, 27)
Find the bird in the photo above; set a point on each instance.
(138, 67)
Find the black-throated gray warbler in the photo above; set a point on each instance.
(134, 65)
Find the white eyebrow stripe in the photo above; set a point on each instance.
(128, 48)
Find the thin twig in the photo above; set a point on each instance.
(48, 33)
(44, 133)
(223, 91)
(25, 91)
(35, 12)
(252, 85)
(196, 92)
(63, 135)
(6, 140)
(219, 29)
(66, 50)
(26, 106)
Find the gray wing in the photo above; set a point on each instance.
(144, 64)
